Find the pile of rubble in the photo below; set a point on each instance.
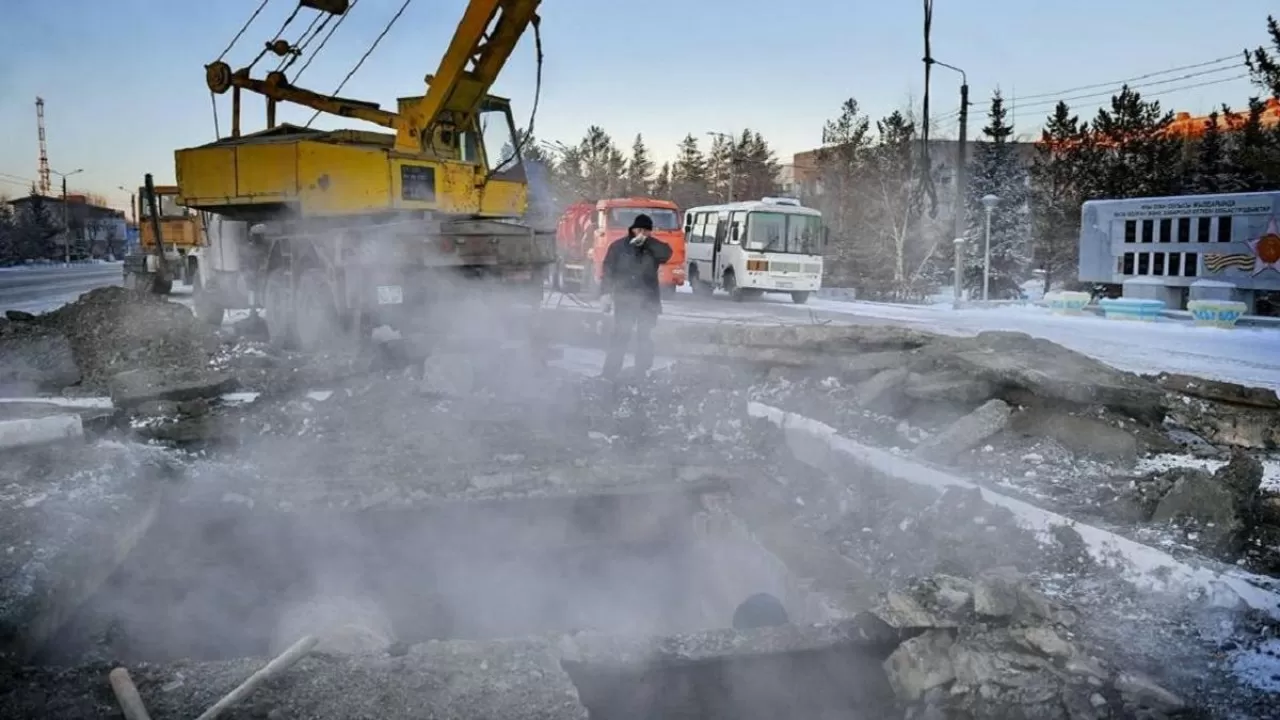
(111, 330)
(997, 647)
(1027, 416)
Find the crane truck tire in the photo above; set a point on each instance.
(205, 302)
(278, 308)
(315, 319)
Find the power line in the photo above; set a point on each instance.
(366, 55)
(325, 41)
(1112, 91)
(1166, 91)
(289, 59)
(1127, 81)
(246, 25)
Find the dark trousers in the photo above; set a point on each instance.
(631, 315)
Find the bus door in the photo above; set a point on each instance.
(721, 229)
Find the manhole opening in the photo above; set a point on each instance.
(219, 581)
(839, 681)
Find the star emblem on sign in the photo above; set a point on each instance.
(1267, 248)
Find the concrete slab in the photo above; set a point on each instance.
(36, 431)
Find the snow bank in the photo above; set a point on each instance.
(1146, 567)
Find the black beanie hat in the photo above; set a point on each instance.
(642, 222)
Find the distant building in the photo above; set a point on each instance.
(1185, 247)
(95, 231)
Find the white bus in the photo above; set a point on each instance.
(750, 248)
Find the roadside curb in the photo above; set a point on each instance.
(819, 445)
(31, 432)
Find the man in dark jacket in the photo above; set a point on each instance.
(630, 285)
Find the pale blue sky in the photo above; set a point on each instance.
(123, 81)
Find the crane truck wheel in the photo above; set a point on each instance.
(205, 302)
(315, 318)
(278, 308)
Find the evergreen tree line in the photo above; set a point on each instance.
(890, 241)
(596, 167)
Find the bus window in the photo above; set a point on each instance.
(739, 224)
(804, 234)
(712, 227)
(722, 229)
(697, 226)
(767, 231)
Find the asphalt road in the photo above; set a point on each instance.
(40, 289)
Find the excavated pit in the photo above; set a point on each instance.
(219, 581)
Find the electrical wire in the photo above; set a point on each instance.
(325, 41)
(307, 36)
(1217, 61)
(246, 25)
(1113, 88)
(267, 48)
(536, 22)
(366, 55)
(1158, 93)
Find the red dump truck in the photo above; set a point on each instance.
(585, 230)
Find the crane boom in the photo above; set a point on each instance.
(483, 42)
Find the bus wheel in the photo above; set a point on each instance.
(736, 293)
(800, 297)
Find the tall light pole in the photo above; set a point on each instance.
(66, 215)
(732, 153)
(133, 203)
(989, 203)
(961, 183)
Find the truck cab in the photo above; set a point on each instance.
(614, 218)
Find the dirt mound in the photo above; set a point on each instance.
(112, 329)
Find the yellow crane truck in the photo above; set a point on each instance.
(155, 266)
(336, 232)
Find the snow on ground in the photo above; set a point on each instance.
(1250, 356)
(1245, 355)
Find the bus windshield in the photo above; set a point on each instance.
(663, 218)
(784, 233)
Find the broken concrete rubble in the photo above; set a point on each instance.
(1016, 663)
(1223, 506)
(967, 432)
(132, 388)
(112, 330)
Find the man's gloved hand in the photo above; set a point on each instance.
(606, 303)
(638, 241)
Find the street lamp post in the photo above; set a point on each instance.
(66, 215)
(729, 139)
(989, 203)
(133, 203)
(959, 271)
(961, 193)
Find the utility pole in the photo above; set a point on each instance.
(961, 178)
(66, 215)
